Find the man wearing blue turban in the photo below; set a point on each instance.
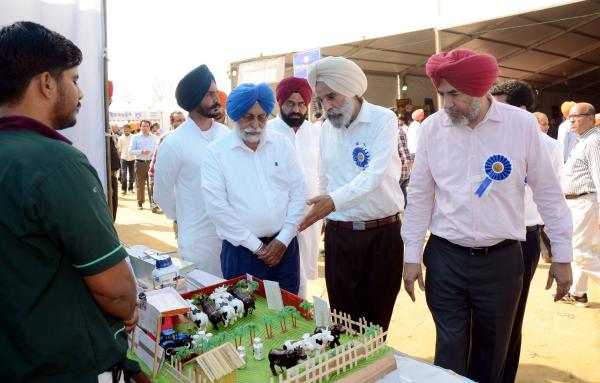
(254, 192)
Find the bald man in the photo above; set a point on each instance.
(359, 194)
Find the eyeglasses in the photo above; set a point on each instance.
(573, 116)
(248, 118)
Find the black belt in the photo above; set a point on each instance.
(366, 225)
(267, 240)
(532, 228)
(143, 160)
(479, 250)
(573, 196)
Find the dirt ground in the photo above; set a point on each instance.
(561, 342)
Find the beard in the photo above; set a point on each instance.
(340, 117)
(65, 116)
(246, 133)
(464, 118)
(294, 120)
(210, 112)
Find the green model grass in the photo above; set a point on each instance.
(259, 371)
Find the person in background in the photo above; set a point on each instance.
(222, 114)
(127, 160)
(413, 132)
(155, 128)
(142, 147)
(68, 298)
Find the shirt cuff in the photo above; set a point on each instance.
(413, 253)
(287, 233)
(251, 243)
(339, 198)
(561, 253)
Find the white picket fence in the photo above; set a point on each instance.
(174, 369)
(339, 359)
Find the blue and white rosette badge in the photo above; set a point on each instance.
(497, 168)
(360, 155)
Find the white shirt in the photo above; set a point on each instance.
(252, 194)
(177, 190)
(372, 192)
(449, 168)
(567, 138)
(412, 135)
(555, 151)
(306, 142)
(123, 147)
(140, 143)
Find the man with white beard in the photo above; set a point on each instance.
(255, 193)
(293, 96)
(359, 194)
(467, 187)
(177, 182)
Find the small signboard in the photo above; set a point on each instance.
(303, 59)
(321, 312)
(273, 294)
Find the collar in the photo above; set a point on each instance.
(588, 133)
(364, 115)
(26, 123)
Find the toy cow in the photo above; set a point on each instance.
(336, 331)
(212, 312)
(248, 302)
(305, 343)
(321, 340)
(197, 316)
(227, 312)
(285, 358)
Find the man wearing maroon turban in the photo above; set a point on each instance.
(293, 96)
(467, 187)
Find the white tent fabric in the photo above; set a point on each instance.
(82, 22)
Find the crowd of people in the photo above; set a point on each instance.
(470, 191)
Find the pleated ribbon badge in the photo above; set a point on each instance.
(497, 168)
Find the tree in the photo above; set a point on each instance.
(293, 314)
(251, 331)
(281, 318)
(306, 306)
(268, 322)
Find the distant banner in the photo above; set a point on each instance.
(303, 59)
(270, 71)
(135, 116)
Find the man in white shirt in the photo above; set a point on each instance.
(142, 146)
(519, 94)
(467, 188)
(254, 192)
(413, 132)
(294, 96)
(359, 194)
(177, 171)
(127, 159)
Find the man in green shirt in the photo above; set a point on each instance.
(67, 297)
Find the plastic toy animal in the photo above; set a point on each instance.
(248, 302)
(285, 358)
(214, 316)
(336, 331)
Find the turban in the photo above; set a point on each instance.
(242, 98)
(192, 87)
(290, 85)
(110, 89)
(222, 98)
(418, 115)
(566, 106)
(340, 74)
(469, 72)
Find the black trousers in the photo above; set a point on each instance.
(114, 194)
(473, 300)
(403, 187)
(127, 168)
(531, 257)
(363, 271)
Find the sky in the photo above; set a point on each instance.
(154, 43)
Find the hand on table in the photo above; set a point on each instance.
(321, 206)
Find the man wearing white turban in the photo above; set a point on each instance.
(359, 194)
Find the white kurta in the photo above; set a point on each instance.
(178, 192)
(306, 141)
(412, 136)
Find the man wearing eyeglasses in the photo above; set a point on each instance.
(293, 96)
(581, 185)
(255, 193)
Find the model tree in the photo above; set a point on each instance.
(268, 322)
(293, 312)
(251, 331)
(306, 306)
(281, 318)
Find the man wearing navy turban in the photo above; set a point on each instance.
(254, 192)
(178, 165)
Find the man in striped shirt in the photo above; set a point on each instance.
(407, 160)
(581, 184)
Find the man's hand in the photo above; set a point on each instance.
(131, 322)
(322, 205)
(564, 279)
(145, 151)
(412, 273)
(272, 253)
